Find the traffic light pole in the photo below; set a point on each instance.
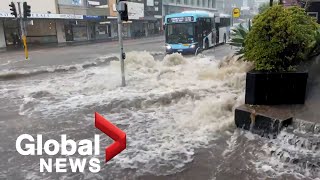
(23, 34)
(121, 50)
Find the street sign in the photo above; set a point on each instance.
(236, 12)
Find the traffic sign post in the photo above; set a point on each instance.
(23, 33)
(123, 79)
(22, 18)
(235, 14)
(122, 16)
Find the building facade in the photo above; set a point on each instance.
(61, 21)
(89, 27)
(41, 28)
(145, 18)
(313, 8)
(175, 6)
(55, 21)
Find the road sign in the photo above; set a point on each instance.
(236, 12)
(113, 132)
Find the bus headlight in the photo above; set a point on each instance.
(192, 46)
(168, 46)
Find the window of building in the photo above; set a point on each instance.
(96, 3)
(203, 3)
(185, 1)
(198, 3)
(178, 1)
(71, 2)
(313, 14)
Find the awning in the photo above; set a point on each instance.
(44, 16)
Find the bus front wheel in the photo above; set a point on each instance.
(197, 51)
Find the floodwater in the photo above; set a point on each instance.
(177, 112)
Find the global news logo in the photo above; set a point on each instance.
(68, 147)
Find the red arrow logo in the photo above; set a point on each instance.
(115, 133)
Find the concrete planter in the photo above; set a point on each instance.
(263, 120)
(272, 88)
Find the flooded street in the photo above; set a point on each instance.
(177, 112)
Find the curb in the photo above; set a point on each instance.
(73, 44)
(271, 120)
(261, 120)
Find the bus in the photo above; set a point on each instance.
(194, 31)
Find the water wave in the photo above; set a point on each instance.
(15, 74)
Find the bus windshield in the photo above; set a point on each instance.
(180, 33)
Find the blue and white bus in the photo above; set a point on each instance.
(193, 31)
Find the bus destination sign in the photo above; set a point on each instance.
(180, 19)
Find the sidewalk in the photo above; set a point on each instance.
(76, 43)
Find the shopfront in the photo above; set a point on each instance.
(145, 28)
(38, 31)
(44, 28)
(41, 31)
(139, 29)
(103, 31)
(76, 30)
(2, 37)
(11, 32)
(98, 28)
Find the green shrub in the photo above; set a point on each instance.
(280, 38)
(315, 46)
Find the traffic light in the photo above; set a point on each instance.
(13, 9)
(123, 10)
(124, 14)
(26, 10)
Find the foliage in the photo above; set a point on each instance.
(314, 46)
(238, 36)
(280, 38)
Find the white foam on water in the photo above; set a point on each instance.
(279, 157)
(24, 72)
(168, 108)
